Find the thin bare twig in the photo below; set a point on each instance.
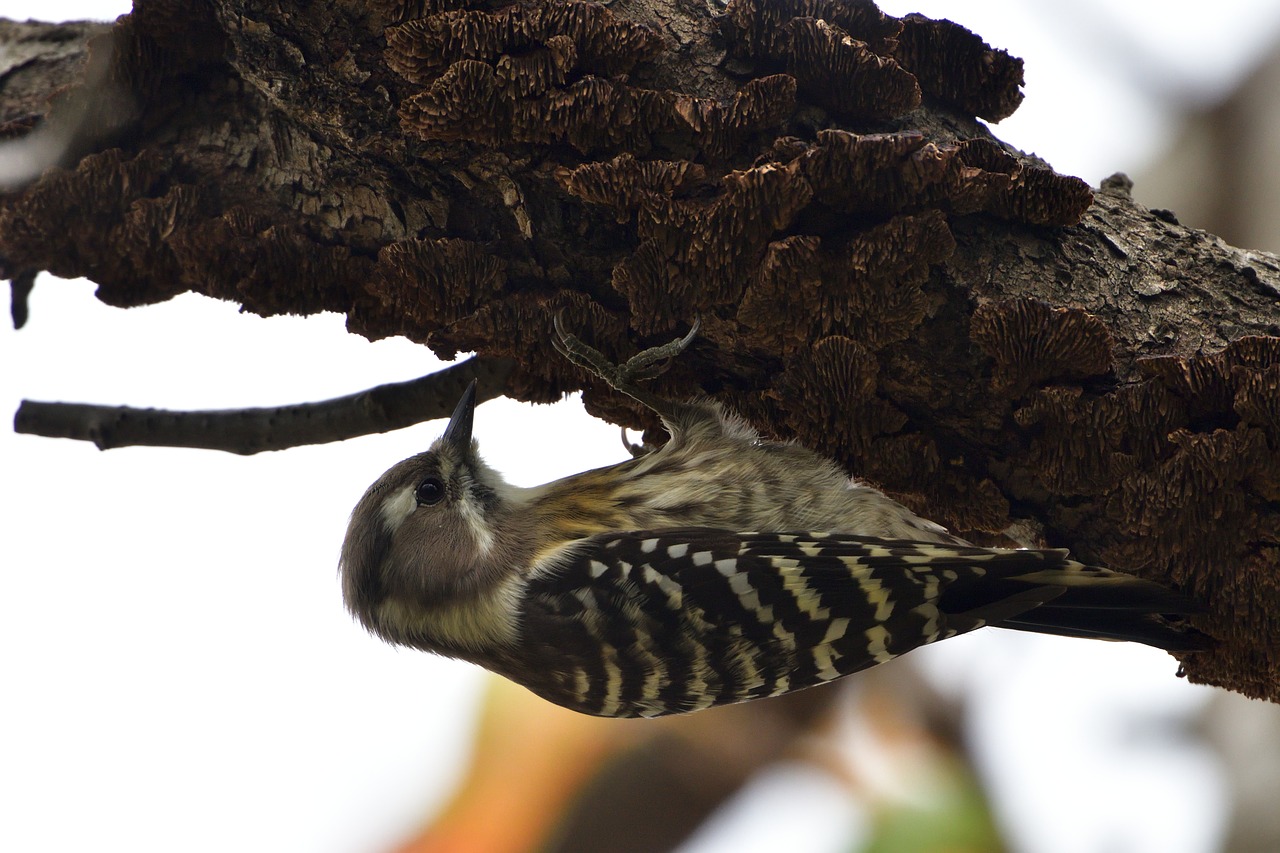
(248, 431)
(20, 287)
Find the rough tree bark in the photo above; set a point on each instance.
(1007, 352)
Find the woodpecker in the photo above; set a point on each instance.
(718, 568)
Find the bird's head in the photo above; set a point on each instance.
(421, 542)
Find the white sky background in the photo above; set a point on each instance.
(176, 667)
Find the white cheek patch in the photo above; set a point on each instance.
(478, 525)
(397, 507)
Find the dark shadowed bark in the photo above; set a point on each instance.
(1007, 352)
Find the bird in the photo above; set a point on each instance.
(718, 568)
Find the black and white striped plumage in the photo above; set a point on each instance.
(635, 590)
(645, 623)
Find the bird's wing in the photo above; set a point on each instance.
(660, 621)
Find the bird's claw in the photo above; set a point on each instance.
(624, 377)
(644, 365)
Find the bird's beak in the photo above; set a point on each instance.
(458, 432)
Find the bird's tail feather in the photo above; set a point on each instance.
(1079, 601)
(1152, 629)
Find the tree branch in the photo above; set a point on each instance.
(248, 431)
(877, 277)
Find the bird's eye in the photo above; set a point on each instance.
(430, 491)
